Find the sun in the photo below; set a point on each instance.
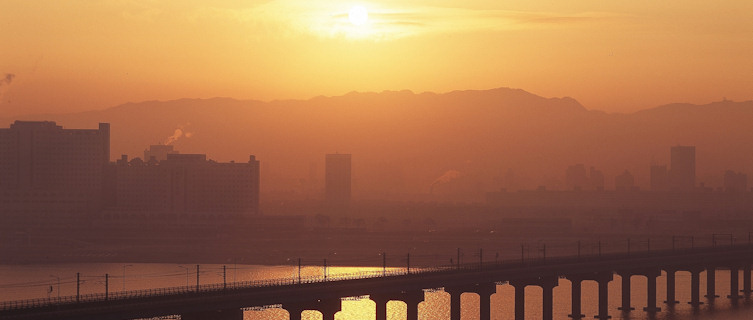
(358, 15)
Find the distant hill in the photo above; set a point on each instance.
(403, 142)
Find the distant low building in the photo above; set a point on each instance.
(659, 178)
(624, 182)
(159, 152)
(735, 182)
(187, 185)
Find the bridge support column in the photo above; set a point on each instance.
(381, 306)
(625, 293)
(295, 312)
(547, 303)
(671, 288)
(520, 301)
(455, 294)
(412, 300)
(695, 287)
(575, 297)
(734, 282)
(711, 283)
(329, 314)
(224, 314)
(485, 301)
(603, 281)
(328, 308)
(651, 291)
(746, 279)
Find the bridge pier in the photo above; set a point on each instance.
(293, 312)
(455, 294)
(381, 306)
(734, 282)
(328, 308)
(625, 292)
(547, 303)
(411, 299)
(746, 279)
(671, 287)
(695, 287)
(520, 302)
(603, 281)
(224, 314)
(711, 283)
(576, 299)
(651, 291)
(485, 293)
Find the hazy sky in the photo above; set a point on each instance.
(618, 56)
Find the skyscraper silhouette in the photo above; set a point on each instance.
(45, 168)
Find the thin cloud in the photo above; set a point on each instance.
(284, 18)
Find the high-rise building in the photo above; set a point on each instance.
(659, 178)
(337, 179)
(682, 168)
(47, 169)
(187, 184)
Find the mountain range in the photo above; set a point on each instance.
(456, 145)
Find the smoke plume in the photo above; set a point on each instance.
(178, 133)
(7, 79)
(5, 82)
(445, 178)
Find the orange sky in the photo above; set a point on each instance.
(616, 56)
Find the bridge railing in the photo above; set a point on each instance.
(171, 291)
(55, 302)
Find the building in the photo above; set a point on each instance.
(187, 185)
(659, 178)
(624, 182)
(576, 177)
(596, 177)
(337, 179)
(735, 182)
(45, 169)
(682, 168)
(159, 152)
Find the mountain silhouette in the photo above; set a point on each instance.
(402, 142)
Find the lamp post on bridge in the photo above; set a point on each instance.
(384, 263)
(677, 240)
(716, 235)
(58, 278)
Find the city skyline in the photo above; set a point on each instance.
(481, 140)
(282, 159)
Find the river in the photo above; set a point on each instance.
(50, 280)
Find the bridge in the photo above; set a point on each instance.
(227, 301)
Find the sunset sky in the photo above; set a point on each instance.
(617, 56)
